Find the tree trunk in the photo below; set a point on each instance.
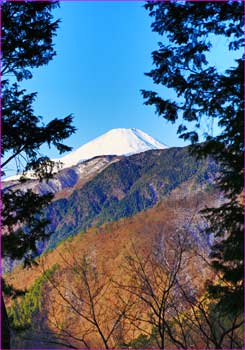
(5, 341)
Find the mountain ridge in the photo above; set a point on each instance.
(125, 188)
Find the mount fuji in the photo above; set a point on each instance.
(118, 142)
(115, 142)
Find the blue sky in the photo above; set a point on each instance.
(103, 50)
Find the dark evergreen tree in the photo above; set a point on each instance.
(27, 42)
(204, 96)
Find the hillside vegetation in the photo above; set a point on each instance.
(105, 250)
(125, 188)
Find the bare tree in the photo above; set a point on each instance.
(173, 309)
(154, 283)
(85, 307)
(158, 295)
(198, 321)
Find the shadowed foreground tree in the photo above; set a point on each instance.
(205, 96)
(27, 42)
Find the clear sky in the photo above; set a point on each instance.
(103, 50)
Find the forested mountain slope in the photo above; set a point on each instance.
(127, 187)
(107, 188)
(154, 231)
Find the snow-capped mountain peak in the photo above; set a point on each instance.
(114, 142)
